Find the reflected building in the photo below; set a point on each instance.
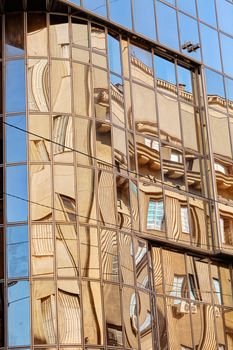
(117, 178)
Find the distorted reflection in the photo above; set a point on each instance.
(44, 312)
(89, 245)
(99, 6)
(109, 253)
(167, 37)
(130, 317)
(38, 93)
(17, 251)
(101, 94)
(141, 65)
(114, 331)
(81, 89)
(39, 146)
(117, 100)
(107, 210)
(173, 166)
(86, 195)
(103, 143)
(123, 203)
(37, 34)
(59, 36)
(93, 317)
(18, 304)
(114, 53)
(61, 86)
(80, 32)
(14, 34)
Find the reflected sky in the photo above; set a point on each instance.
(97, 6)
(17, 251)
(227, 50)
(225, 16)
(167, 36)
(15, 86)
(16, 139)
(120, 11)
(114, 54)
(144, 20)
(19, 304)
(16, 184)
(189, 32)
(210, 47)
(206, 11)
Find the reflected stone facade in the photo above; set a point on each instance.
(117, 179)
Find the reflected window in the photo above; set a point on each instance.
(217, 290)
(68, 205)
(179, 287)
(17, 251)
(15, 86)
(62, 133)
(184, 219)
(18, 304)
(226, 230)
(155, 215)
(220, 168)
(165, 73)
(176, 157)
(59, 36)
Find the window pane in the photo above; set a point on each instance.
(16, 139)
(114, 54)
(225, 16)
(189, 32)
(37, 34)
(80, 32)
(120, 12)
(227, 49)
(97, 6)
(59, 36)
(19, 304)
(144, 18)
(15, 86)
(210, 47)
(167, 35)
(17, 251)
(14, 34)
(206, 11)
(187, 6)
(16, 188)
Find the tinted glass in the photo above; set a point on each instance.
(210, 47)
(17, 251)
(144, 20)
(225, 16)
(120, 12)
(227, 49)
(167, 36)
(97, 6)
(15, 86)
(16, 139)
(189, 32)
(206, 11)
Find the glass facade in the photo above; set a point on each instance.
(116, 214)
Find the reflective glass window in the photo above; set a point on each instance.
(16, 139)
(120, 12)
(206, 11)
(141, 65)
(37, 34)
(80, 32)
(225, 16)
(214, 84)
(187, 6)
(17, 251)
(15, 86)
(220, 133)
(227, 49)
(81, 89)
(155, 215)
(184, 80)
(16, 188)
(144, 20)
(189, 32)
(19, 304)
(229, 89)
(114, 53)
(165, 72)
(59, 36)
(167, 36)
(97, 6)
(210, 47)
(61, 86)
(14, 34)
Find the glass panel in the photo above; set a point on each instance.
(123, 202)
(165, 74)
(187, 6)
(220, 133)
(227, 47)
(114, 331)
(130, 319)
(98, 39)
(203, 322)
(117, 101)
(17, 251)
(206, 11)
(141, 263)
(59, 36)
(14, 34)
(167, 37)
(109, 253)
(37, 34)
(120, 155)
(103, 143)
(201, 288)
(126, 259)
(44, 312)
(134, 200)
(40, 194)
(16, 188)
(15, 86)
(67, 250)
(83, 141)
(189, 33)
(99, 6)
(120, 12)
(92, 317)
(162, 324)
(38, 91)
(89, 249)
(60, 86)
(42, 250)
(86, 195)
(185, 82)
(189, 127)
(40, 149)
(210, 47)
(2, 272)
(144, 18)
(145, 321)
(2, 298)
(81, 89)
(16, 139)
(80, 32)
(64, 193)
(157, 269)
(101, 93)
(69, 313)
(114, 53)
(18, 304)
(215, 90)
(225, 16)
(141, 65)
(173, 166)
(107, 211)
